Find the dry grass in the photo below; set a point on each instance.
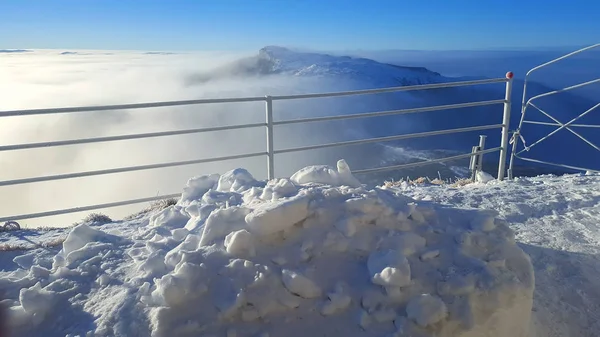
(54, 243)
(461, 182)
(97, 218)
(421, 181)
(437, 181)
(49, 228)
(162, 204)
(94, 219)
(8, 247)
(155, 206)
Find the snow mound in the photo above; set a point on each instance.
(323, 174)
(483, 177)
(316, 254)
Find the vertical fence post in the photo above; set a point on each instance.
(480, 156)
(512, 154)
(270, 155)
(505, 126)
(473, 163)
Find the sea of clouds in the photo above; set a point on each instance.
(59, 78)
(31, 79)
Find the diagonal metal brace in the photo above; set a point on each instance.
(568, 128)
(562, 126)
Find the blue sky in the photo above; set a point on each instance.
(316, 24)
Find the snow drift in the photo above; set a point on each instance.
(317, 254)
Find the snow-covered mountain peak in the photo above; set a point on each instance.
(284, 60)
(274, 51)
(272, 60)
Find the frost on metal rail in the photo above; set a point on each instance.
(517, 135)
(269, 125)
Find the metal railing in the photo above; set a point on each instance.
(269, 125)
(517, 136)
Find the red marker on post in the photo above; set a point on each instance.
(509, 75)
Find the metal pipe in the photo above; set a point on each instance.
(554, 92)
(86, 208)
(505, 127)
(555, 164)
(390, 138)
(473, 162)
(390, 112)
(125, 169)
(513, 153)
(124, 137)
(49, 111)
(270, 153)
(525, 104)
(242, 99)
(269, 124)
(423, 163)
(557, 124)
(393, 89)
(481, 148)
(566, 125)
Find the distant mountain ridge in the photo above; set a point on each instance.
(273, 60)
(7, 51)
(355, 73)
(314, 64)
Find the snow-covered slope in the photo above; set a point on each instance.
(315, 254)
(284, 60)
(274, 60)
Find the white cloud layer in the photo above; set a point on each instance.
(52, 78)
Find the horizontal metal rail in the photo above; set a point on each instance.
(393, 89)
(176, 195)
(241, 126)
(269, 124)
(555, 164)
(425, 162)
(390, 138)
(557, 124)
(87, 208)
(49, 111)
(126, 169)
(390, 112)
(558, 91)
(126, 137)
(562, 58)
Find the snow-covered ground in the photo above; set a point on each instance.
(319, 254)
(557, 223)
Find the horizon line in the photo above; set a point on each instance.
(315, 50)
